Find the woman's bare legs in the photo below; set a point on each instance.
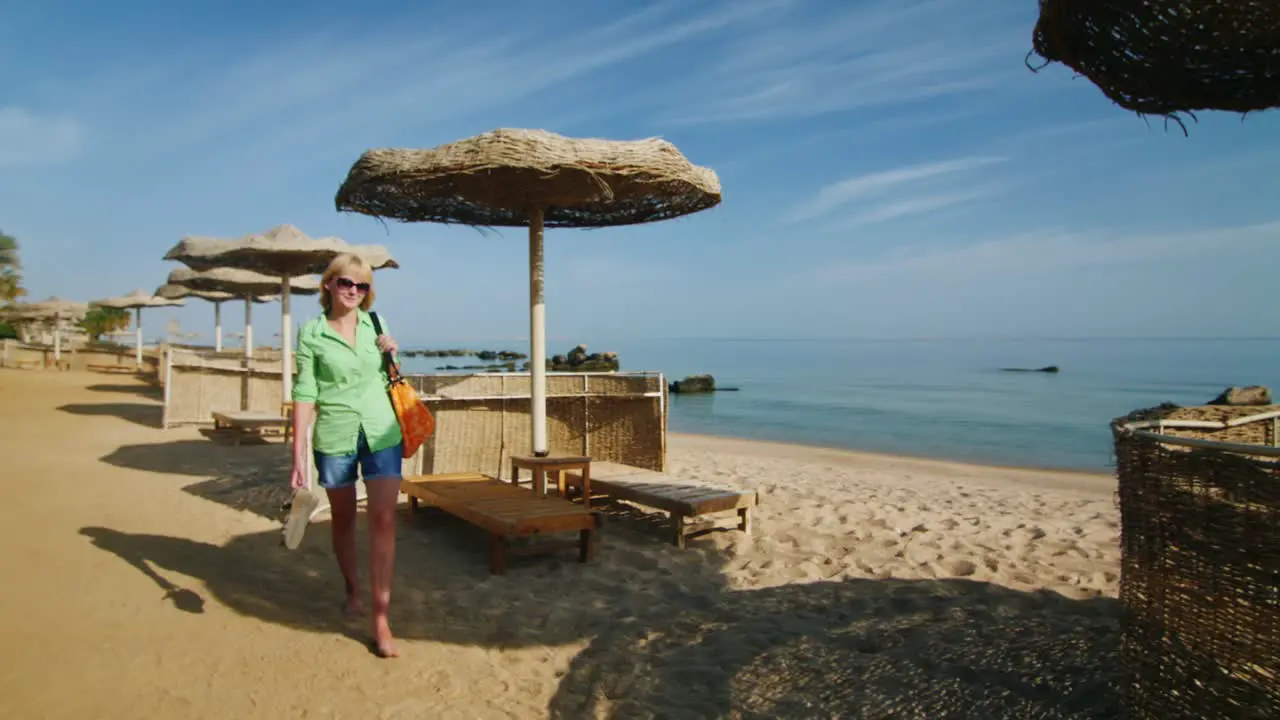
(383, 494)
(342, 511)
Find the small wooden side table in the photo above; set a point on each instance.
(540, 466)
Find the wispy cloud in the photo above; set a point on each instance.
(326, 85)
(1053, 252)
(877, 184)
(844, 57)
(913, 206)
(28, 139)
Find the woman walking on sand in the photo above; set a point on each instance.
(342, 385)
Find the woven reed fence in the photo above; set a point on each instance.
(14, 354)
(198, 383)
(481, 420)
(1200, 582)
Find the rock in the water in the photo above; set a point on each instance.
(577, 360)
(1045, 369)
(1251, 395)
(694, 384)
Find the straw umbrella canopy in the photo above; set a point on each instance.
(1164, 57)
(22, 320)
(55, 309)
(177, 292)
(246, 284)
(283, 252)
(136, 301)
(534, 179)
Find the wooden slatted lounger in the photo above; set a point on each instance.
(505, 511)
(684, 500)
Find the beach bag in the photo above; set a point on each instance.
(416, 421)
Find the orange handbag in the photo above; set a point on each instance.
(416, 421)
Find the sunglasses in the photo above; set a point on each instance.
(347, 283)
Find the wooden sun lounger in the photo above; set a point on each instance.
(504, 511)
(239, 424)
(688, 503)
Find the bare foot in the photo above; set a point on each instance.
(383, 642)
(354, 608)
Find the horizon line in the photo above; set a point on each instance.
(854, 338)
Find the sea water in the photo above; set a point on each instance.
(946, 399)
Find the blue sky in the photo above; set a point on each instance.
(890, 169)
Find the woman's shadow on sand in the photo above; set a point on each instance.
(670, 639)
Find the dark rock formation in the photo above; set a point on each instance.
(504, 355)
(1251, 395)
(693, 384)
(1045, 369)
(504, 367)
(577, 360)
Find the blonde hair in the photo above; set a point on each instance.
(346, 264)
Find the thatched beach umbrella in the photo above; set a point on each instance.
(1163, 57)
(178, 292)
(283, 252)
(534, 179)
(136, 301)
(175, 292)
(55, 310)
(245, 284)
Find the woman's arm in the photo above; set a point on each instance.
(303, 414)
(304, 400)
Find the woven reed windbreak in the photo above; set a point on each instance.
(1200, 581)
(1163, 57)
(493, 179)
(483, 420)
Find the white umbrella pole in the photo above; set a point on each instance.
(537, 338)
(217, 326)
(248, 327)
(137, 342)
(286, 344)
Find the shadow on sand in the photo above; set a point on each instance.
(145, 414)
(247, 477)
(668, 639)
(150, 392)
(668, 636)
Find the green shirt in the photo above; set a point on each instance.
(347, 385)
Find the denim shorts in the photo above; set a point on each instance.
(339, 471)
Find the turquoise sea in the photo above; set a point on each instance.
(946, 399)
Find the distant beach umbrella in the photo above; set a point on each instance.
(177, 292)
(53, 310)
(136, 301)
(1163, 57)
(247, 285)
(534, 179)
(283, 252)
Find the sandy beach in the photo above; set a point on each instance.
(145, 577)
